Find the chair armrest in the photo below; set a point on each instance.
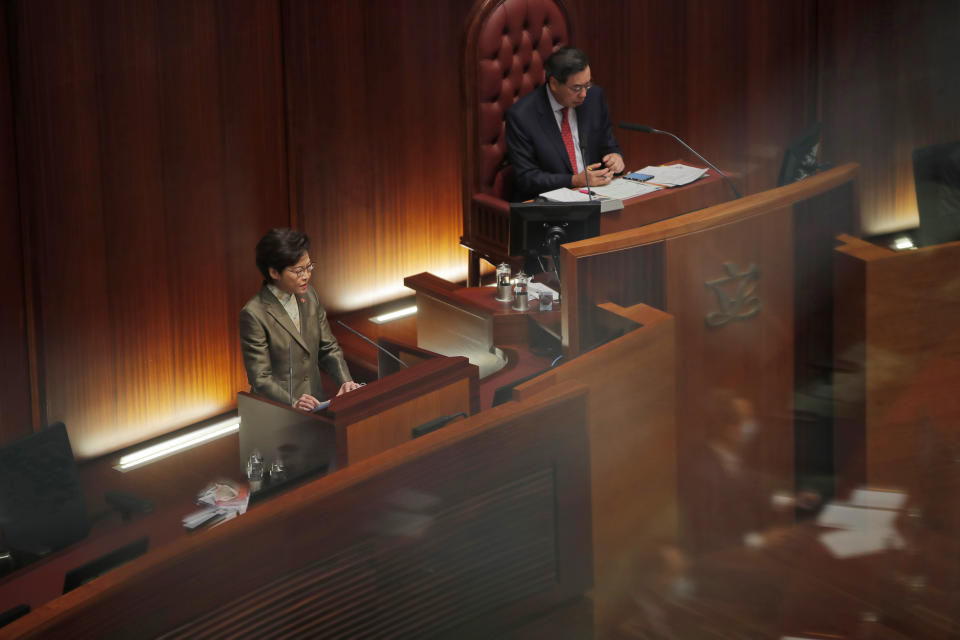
(491, 202)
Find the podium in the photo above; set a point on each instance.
(897, 364)
(364, 422)
(750, 285)
(486, 225)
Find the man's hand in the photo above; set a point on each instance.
(613, 162)
(306, 402)
(348, 386)
(599, 176)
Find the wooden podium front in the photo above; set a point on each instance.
(897, 364)
(750, 285)
(364, 422)
(487, 223)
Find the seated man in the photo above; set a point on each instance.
(549, 129)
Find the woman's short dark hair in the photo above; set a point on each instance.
(564, 62)
(279, 249)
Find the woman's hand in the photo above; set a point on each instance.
(348, 386)
(306, 402)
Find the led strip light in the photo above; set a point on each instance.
(186, 441)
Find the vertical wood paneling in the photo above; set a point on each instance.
(254, 179)
(62, 195)
(733, 78)
(141, 160)
(156, 141)
(131, 131)
(192, 166)
(637, 53)
(780, 91)
(746, 355)
(717, 79)
(889, 85)
(15, 407)
(374, 123)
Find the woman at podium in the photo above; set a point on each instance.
(284, 333)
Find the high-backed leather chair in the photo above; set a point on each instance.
(507, 42)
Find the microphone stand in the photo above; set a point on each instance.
(646, 129)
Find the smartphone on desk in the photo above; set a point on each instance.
(638, 177)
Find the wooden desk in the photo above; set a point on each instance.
(796, 587)
(633, 442)
(486, 229)
(169, 483)
(468, 531)
(750, 284)
(630, 417)
(709, 190)
(361, 424)
(369, 420)
(470, 321)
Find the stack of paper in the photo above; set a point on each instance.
(674, 175)
(625, 189)
(534, 289)
(865, 525)
(219, 502)
(576, 195)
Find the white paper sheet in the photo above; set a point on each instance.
(878, 499)
(534, 289)
(565, 195)
(849, 544)
(856, 518)
(620, 189)
(674, 175)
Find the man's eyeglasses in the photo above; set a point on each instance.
(577, 88)
(301, 271)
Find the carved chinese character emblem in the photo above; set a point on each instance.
(735, 295)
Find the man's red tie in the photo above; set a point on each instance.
(567, 136)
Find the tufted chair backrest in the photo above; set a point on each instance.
(506, 44)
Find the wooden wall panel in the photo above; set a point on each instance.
(624, 40)
(158, 140)
(15, 407)
(133, 163)
(889, 85)
(61, 194)
(254, 179)
(375, 128)
(734, 78)
(752, 356)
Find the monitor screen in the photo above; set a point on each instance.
(539, 228)
(802, 158)
(41, 502)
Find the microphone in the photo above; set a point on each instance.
(642, 128)
(352, 330)
(586, 172)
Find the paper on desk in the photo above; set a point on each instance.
(848, 544)
(856, 518)
(534, 289)
(674, 175)
(620, 189)
(877, 499)
(565, 195)
(321, 406)
(226, 496)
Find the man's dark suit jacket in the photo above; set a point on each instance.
(273, 348)
(535, 148)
